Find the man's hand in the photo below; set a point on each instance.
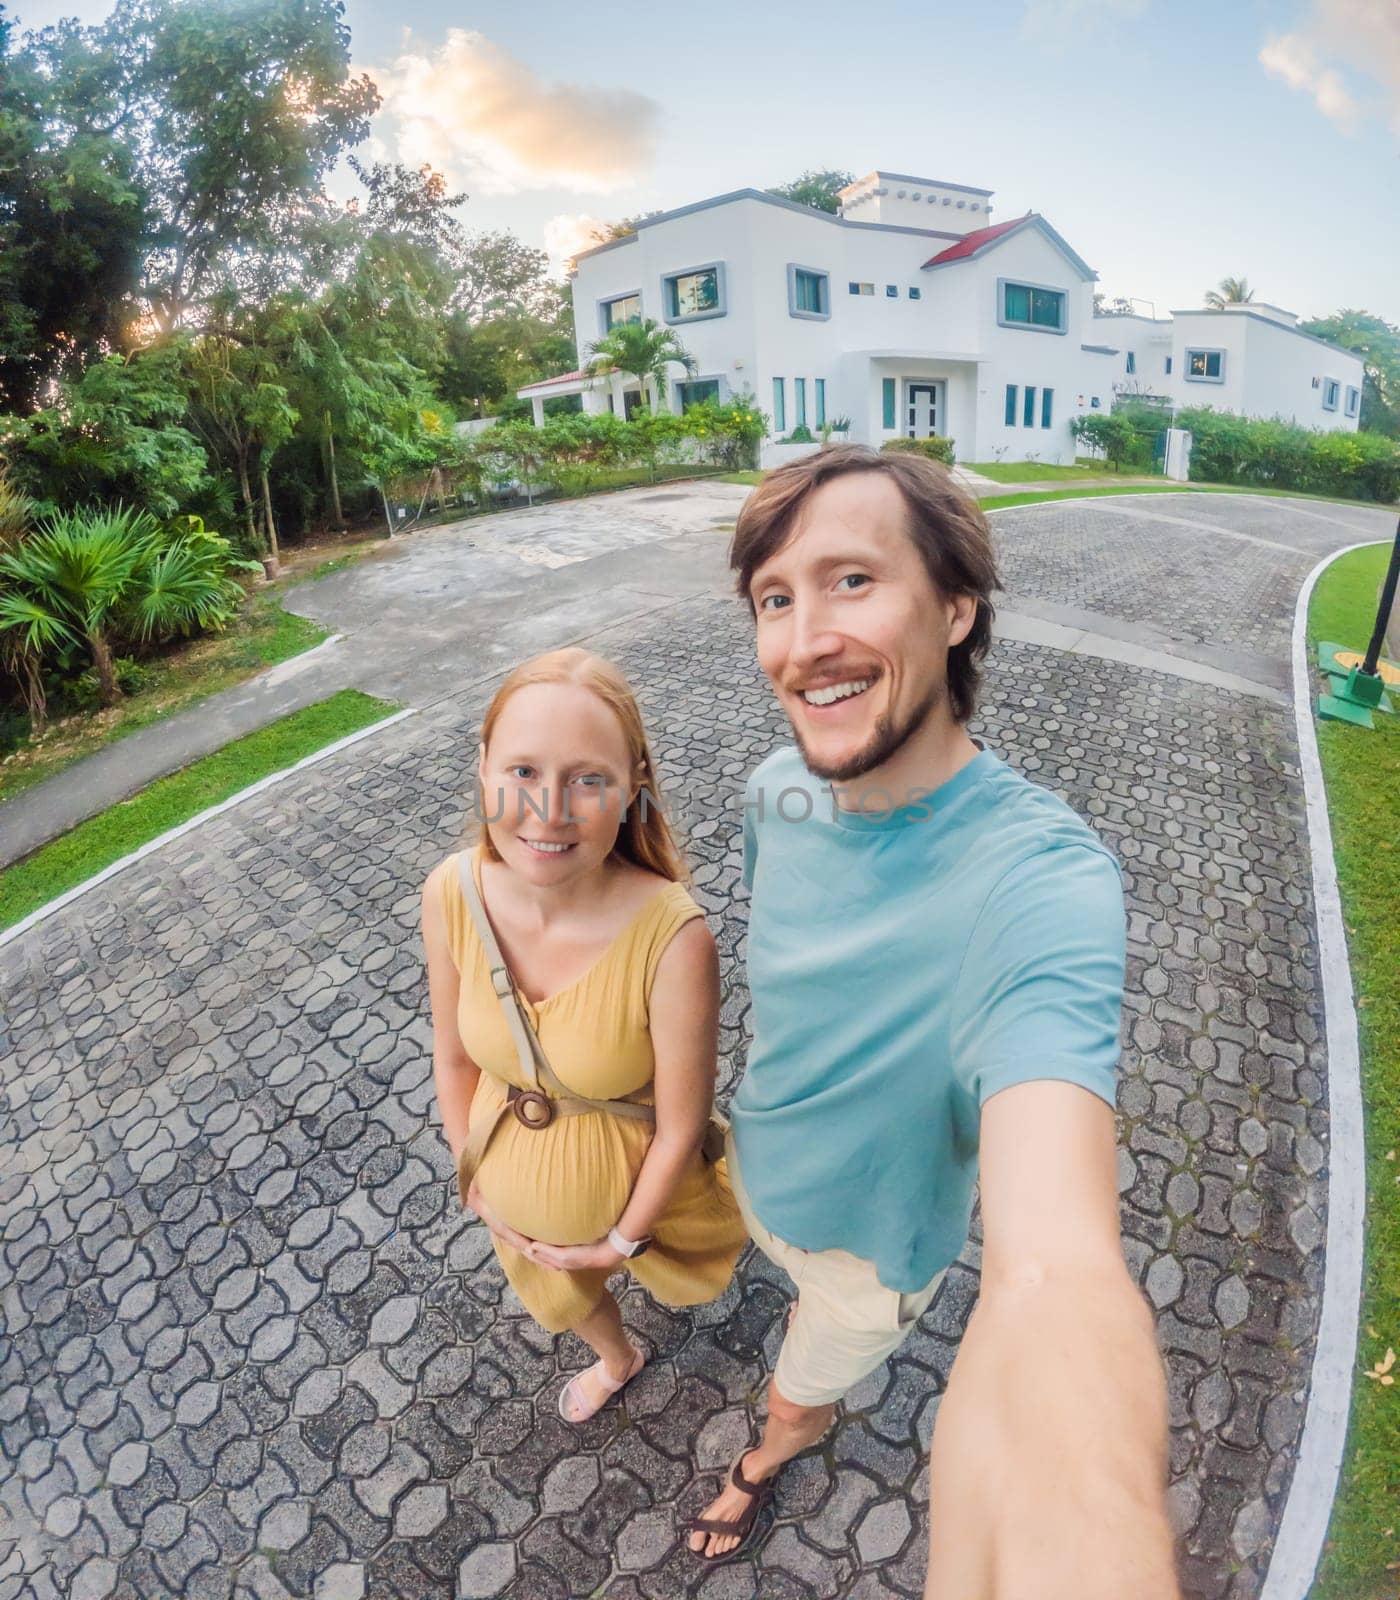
(501, 1230)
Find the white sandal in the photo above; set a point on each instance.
(572, 1406)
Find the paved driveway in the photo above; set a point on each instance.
(250, 1346)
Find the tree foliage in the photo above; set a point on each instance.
(816, 188)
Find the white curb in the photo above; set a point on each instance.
(1308, 1509)
(111, 871)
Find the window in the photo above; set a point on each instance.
(1169, 366)
(1353, 401)
(1132, 361)
(1205, 366)
(821, 402)
(1028, 414)
(915, 293)
(696, 390)
(631, 402)
(697, 292)
(809, 292)
(799, 401)
(862, 288)
(1329, 394)
(887, 402)
(1047, 397)
(1030, 305)
(622, 308)
(1011, 405)
(779, 407)
(891, 291)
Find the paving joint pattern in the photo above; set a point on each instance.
(250, 1345)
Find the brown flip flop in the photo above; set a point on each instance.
(742, 1529)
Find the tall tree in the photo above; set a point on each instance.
(1229, 292)
(818, 189)
(1377, 342)
(71, 215)
(234, 113)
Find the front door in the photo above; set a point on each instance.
(923, 410)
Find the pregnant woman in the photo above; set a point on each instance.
(574, 1064)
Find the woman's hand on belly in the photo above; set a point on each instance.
(577, 1257)
(502, 1230)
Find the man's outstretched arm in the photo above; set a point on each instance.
(1049, 1461)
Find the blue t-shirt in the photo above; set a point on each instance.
(905, 967)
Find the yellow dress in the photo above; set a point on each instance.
(570, 1182)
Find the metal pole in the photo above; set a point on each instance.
(1373, 650)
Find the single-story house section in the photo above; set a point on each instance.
(909, 313)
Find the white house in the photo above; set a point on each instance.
(910, 312)
(1251, 359)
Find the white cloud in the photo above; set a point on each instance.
(1292, 58)
(473, 111)
(570, 232)
(1363, 35)
(1055, 20)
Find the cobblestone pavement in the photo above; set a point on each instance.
(251, 1348)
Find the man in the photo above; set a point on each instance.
(936, 952)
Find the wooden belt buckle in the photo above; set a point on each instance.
(541, 1110)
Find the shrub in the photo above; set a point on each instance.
(934, 447)
(1282, 455)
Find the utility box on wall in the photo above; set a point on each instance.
(1177, 465)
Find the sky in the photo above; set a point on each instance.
(1170, 143)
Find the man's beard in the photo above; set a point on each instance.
(884, 742)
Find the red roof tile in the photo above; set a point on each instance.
(972, 242)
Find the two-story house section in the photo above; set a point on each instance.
(908, 313)
(1251, 359)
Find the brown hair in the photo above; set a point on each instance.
(945, 523)
(645, 838)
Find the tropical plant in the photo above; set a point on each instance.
(1229, 292)
(643, 349)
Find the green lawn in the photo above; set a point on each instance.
(105, 838)
(1044, 471)
(1362, 771)
(262, 635)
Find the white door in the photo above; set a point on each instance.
(922, 410)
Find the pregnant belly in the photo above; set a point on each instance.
(565, 1184)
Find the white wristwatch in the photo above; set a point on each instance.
(627, 1248)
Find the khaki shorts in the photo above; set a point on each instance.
(846, 1323)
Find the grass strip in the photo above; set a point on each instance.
(1361, 769)
(70, 860)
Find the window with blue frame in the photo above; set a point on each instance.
(1330, 389)
(887, 402)
(1132, 361)
(1011, 405)
(696, 390)
(1169, 366)
(1205, 366)
(693, 294)
(1026, 306)
(626, 308)
(779, 407)
(892, 291)
(1353, 401)
(862, 288)
(809, 292)
(1028, 414)
(1047, 397)
(915, 293)
(799, 401)
(821, 402)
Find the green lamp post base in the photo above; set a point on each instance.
(1354, 694)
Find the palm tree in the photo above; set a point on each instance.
(643, 349)
(1232, 292)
